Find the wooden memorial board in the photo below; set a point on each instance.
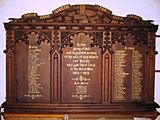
(80, 59)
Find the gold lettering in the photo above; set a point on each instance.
(80, 64)
(103, 9)
(129, 48)
(33, 75)
(45, 17)
(118, 18)
(134, 17)
(120, 75)
(60, 9)
(28, 15)
(137, 76)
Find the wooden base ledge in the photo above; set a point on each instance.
(106, 116)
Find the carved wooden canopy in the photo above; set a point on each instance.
(81, 14)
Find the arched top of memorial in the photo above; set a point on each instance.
(83, 13)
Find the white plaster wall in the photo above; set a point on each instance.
(147, 9)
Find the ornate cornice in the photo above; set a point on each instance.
(79, 15)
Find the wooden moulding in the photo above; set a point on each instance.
(12, 116)
(107, 116)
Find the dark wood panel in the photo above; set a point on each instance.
(80, 64)
(32, 71)
(128, 65)
(80, 59)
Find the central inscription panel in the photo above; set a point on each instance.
(81, 70)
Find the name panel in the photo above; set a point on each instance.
(32, 71)
(128, 73)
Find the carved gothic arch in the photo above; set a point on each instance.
(96, 41)
(24, 37)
